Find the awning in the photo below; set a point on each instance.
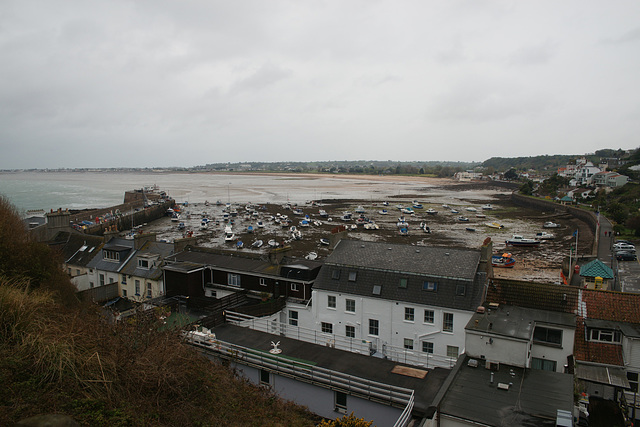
(607, 375)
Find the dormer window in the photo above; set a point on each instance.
(110, 255)
(143, 263)
(352, 276)
(335, 274)
(605, 335)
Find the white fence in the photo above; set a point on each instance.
(396, 354)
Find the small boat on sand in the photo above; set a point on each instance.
(518, 240)
(503, 261)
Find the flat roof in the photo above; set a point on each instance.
(517, 396)
(517, 322)
(358, 365)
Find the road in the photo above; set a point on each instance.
(627, 272)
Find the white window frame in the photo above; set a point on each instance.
(351, 302)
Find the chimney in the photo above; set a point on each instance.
(140, 239)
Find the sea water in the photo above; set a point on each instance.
(80, 190)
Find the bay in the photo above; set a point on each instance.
(80, 190)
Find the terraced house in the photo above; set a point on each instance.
(401, 302)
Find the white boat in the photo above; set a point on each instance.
(383, 212)
(260, 224)
(272, 243)
(228, 234)
(324, 242)
(431, 211)
(543, 235)
(257, 244)
(453, 211)
(550, 224)
(323, 213)
(518, 240)
(359, 210)
(472, 209)
(463, 219)
(487, 207)
(311, 256)
(445, 206)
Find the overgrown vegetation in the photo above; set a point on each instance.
(58, 355)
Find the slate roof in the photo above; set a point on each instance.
(532, 399)
(437, 262)
(161, 249)
(533, 295)
(241, 263)
(76, 249)
(374, 270)
(125, 247)
(596, 268)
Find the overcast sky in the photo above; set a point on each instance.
(181, 83)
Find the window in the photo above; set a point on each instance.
(265, 377)
(409, 314)
(101, 279)
(91, 284)
(137, 282)
(460, 290)
(350, 305)
(452, 351)
(293, 318)
(429, 286)
(605, 335)
(447, 322)
(148, 290)
(427, 347)
(543, 364)
(633, 381)
(263, 281)
(77, 272)
(143, 263)
(352, 276)
(124, 292)
(350, 331)
(374, 327)
(335, 274)
(295, 287)
(331, 301)
(403, 283)
(547, 335)
(69, 271)
(408, 344)
(327, 328)
(429, 316)
(124, 279)
(110, 255)
(377, 289)
(110, 279)
(340, 402)
(233, 279)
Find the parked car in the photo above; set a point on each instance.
(623, 246)
(626, 256)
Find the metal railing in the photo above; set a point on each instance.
(354, 345)
(371, 390)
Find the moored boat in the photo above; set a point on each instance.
(543, 235)
(518, 240)
(550, 224)
(503, 261)
(494, 225)
(431, 211)
(257, 244)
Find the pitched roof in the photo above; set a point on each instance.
(162, 250)
(596, 268)
(541, 296)
(597, 352)
(613, 306)
(399, 273)
(432, 261)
